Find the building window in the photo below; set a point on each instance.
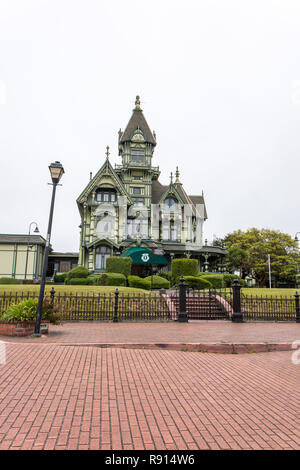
(105, 195)
(138, 201)
(137, 190)
(105, 225)
(137, 227)
(102, 253)
(138, 156)
(170, 203)
(170, 231)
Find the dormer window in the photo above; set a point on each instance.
(105, 195)
(170, 204)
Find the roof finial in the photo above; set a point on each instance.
(171, 177)
(107, 152)
(137, 102)
(177, 175)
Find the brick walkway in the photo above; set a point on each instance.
(73, 397)
(193, 335)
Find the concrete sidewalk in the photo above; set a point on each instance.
(211, 336)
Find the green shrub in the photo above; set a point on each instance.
(9, 280)
(298, 279)
(79, 272)
(215, 279)
(116, 264)
(229, 278)
(110, 279)
(78, 281)
(197, 282)
(139, 283)
(158, 282)
(26, 311)
(184, 267)
(60, 277)
(165, 274)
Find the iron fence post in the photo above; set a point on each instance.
(237, 315)
(52, 294)
(182, 316)
(297, 308)
(115, 320)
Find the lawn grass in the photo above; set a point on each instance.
(16, 289)
(265, 292)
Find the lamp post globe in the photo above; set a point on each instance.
(56, 171)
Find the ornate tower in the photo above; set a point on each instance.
(136, 147)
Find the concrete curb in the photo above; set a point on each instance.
(226, 348)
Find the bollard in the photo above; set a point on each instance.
(52, 294)
(237, 316)
(297, 308)
(182, 316)
(115, 320)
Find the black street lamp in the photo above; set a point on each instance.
(36, 230)
(56, 171)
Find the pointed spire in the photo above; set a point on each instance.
(137, 103)
(107, 152)
(171, 178)
(177, 176)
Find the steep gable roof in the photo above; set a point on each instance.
(137, 121)
(106, 169)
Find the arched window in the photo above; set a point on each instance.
(102, 253)
(170, 204)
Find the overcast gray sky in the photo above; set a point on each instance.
(219, 83)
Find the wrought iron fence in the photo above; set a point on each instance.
(113, 306)
(182, 305)
(259, 308)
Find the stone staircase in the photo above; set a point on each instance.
(202, 306)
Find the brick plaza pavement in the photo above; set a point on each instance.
(73, 397)
(168, 333)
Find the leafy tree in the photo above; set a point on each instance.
(248, 251)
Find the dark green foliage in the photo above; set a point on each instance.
(79, 272)
(60, 278)
(158, 282)
(116, 264)
(184, 267)
(215, 279)
(138, 282)
(229, 278)
(165, 274)
(9, 280)
(110, 279)
(26, 311)
(78, 281)
(197, 282)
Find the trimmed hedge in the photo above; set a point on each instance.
(139, 283)
(215, 279)
(116, 264)
(79, 272)
(184, 267)
(197, 282)
(61, 277)
(110, 279)
(158, 282)
(9, 280)
(78, 281)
